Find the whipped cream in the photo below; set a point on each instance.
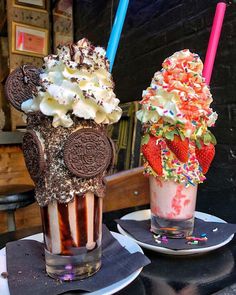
(76, 81)
(178, 93)
(177, 103)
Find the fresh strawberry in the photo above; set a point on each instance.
(179, 147)
(152, 153)
(205, 156)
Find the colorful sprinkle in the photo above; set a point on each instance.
(184, 109)
(202, 239)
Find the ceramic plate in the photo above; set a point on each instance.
(145, 214)
(125, 241)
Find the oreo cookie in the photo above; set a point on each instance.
(33, 153)
(21, 84)
(87, 153)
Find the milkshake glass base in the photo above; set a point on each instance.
(172, 208)
(172, 228)
(76, 267)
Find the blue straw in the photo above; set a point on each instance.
(116, 31)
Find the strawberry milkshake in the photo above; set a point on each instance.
(177, 145)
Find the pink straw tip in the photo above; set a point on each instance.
(213, 41)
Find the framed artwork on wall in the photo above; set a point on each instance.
(29, 40)
(40, 4)
(63, 8)
(3, 13)
(4, 56)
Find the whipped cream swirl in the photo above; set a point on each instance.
(178, 93)
(76, 81)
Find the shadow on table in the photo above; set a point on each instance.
(190, 275)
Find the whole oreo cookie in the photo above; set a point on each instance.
(33, 153)
(20, 85)
(87, 152)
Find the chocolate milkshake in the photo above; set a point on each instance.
(68, 104)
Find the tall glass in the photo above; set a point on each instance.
(72, 237)
(68, 166)
(172, 208)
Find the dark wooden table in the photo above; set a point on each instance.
(212, 273)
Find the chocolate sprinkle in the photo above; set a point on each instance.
(5, 275)
(87, 153)
(33, 153)
(20, 85)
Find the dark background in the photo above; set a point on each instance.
(154, 30)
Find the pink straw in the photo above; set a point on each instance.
(213, 42)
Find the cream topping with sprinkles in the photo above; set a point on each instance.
(178, 103)
(178, 94)
(76, 81)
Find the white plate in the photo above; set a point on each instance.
(146, 214)
(126, 242)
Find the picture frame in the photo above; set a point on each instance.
(3, 13)
(64, 8)
(4, 56)
(29, 40)
(39, 4)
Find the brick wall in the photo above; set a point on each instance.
(154, 30)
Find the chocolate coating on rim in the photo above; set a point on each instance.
(87, 153)
(33, 153)
(20, 85)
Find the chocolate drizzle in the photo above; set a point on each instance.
(97, 218)
(66, 244)
(66, 238)
(72, 52)
(46, 228)
(81, 220)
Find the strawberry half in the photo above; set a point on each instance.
(205, 156)
(152, 153)
(179, 147)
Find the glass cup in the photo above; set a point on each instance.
(68, 166)
(72, 237)
(172, 208)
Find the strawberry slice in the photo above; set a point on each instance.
(179, 147)
(205, 156)
(152, 153)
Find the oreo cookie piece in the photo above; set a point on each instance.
(33, 153)
(20, 85)
(87, 153)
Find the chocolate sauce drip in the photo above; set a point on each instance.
(81, 220)
(46, 228)
(96, 218)
(25, 78)
(67, 241)
(81, 57)
(72, 52)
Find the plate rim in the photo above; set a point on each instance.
(167, 251)
(128, 280)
